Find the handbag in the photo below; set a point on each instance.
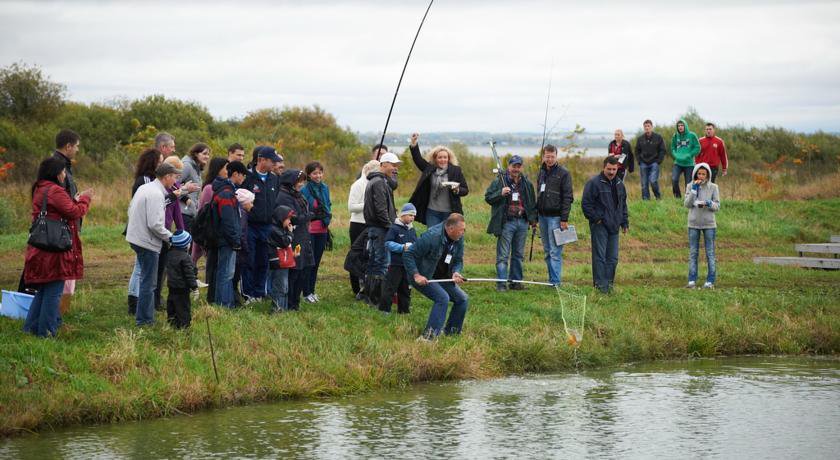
(51, 235)
(286, 257)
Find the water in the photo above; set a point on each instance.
(733, 408)
(525, 151)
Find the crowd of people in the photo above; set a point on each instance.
(264, 228)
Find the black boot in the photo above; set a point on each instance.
(132, 305)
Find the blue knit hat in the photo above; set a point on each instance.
(181, 239)
(408, 209)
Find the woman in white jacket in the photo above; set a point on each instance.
(356, 206)
(702, 200)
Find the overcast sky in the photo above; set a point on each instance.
(478, 65)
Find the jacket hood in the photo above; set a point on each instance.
(220, 182)
(289, 177)
(376, 174)
(704, 166)
(676, 131)
(281, 213)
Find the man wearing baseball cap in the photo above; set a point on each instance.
(264, 185)
(514, 208)
(379, 212)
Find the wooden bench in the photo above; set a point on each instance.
(807, 262)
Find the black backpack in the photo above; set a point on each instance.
(204, 227)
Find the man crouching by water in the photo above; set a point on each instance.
(439, 255)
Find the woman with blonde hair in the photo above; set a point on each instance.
(441, 184)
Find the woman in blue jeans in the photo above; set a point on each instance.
(47, 270)
(702, 199)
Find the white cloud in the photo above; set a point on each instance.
(477, 65)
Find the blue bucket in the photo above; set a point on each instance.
(15, 304)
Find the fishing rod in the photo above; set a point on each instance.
(542, 146)
(388, 120)
(498, 169)
(494, 280)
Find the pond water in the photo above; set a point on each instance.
(731, 408)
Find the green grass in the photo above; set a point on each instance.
(103, 369)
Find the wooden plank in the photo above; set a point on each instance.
(808, 262)
(821, 248)
(835, 239)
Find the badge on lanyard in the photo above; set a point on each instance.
(515, 196)
(448, 259)
(542, 188)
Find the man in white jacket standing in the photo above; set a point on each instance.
(356, 206)
(147, 233)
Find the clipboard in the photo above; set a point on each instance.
(562, 237)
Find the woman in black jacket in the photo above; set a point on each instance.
(441, 185)
(621, 148)
(291, 181)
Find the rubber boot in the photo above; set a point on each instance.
(132, 305)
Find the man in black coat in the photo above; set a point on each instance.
(379, 213)
(554, 202)
(604, 204)
(650, 150)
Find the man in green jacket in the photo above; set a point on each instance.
(684, 147)
(514, 208)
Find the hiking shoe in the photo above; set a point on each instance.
(708, 285)
(691, 285)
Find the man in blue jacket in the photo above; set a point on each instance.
(264, 185)
(439, 255)
(604, 204)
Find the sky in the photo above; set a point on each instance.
(477, 65)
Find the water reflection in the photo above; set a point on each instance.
(732, 408)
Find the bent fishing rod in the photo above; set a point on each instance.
(388, 120)
(542, 146)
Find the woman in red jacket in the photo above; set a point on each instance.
(48, 270)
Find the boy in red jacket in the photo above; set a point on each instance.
(712, 152)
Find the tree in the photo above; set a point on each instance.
(27, 95)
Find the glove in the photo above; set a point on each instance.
(695, 187)
(708, 203)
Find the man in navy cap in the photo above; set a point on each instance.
(514, 208)
(264, 185)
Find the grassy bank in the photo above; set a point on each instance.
(102, 369)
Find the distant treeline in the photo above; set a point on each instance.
(33, 109)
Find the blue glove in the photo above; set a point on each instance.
(708, 203)
(695, 187)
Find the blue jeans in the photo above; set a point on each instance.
(649, 175)
(148, 261)
(441, 294)
(279, 291)
(255, 274)
(553, 252)
(694, 251)
(319, 244)
(676, 172)
(134, 280)
(225, 266)
(604, 256)
(43, 317)
(435, 217)
(379, 254)
(511, 244)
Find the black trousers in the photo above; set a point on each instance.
(356, 229)
(161, 271)
(297, 279)
(178, 308)
(395, 282)
(210, 273)
(715, 172)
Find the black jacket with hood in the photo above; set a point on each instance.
(294, 200)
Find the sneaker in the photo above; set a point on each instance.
(310, 298)
(250, 300)
(315, 296)
(201, 284)
(691, 285)
(708, 285)
(501, 288)
(361, 297)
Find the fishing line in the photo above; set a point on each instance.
(387, 120)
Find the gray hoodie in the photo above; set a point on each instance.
(707, 192)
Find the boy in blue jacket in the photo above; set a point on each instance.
(399, 238)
